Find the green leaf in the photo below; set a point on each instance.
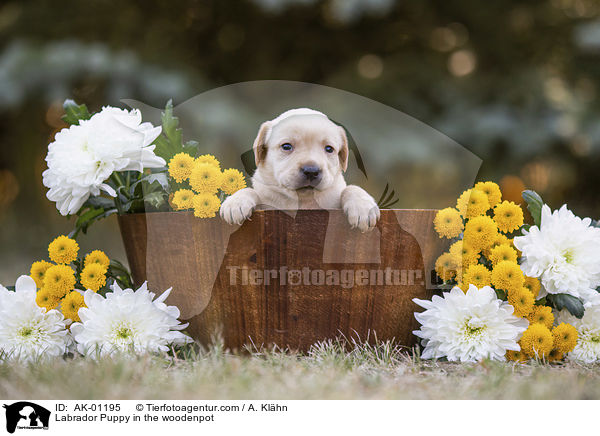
(501, 294)
(100, 202)
(87, 218)
(191, 148)
(75, 112)
(155, 199)
(534, 205)
(566, 301)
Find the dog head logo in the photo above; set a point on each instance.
(25, 415)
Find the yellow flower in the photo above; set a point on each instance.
(63, 250)
(477, 275)
(565, 337)
(180, 166)
(448, 223)
(503, 252)
(499, 239)
(533, 285)
(93, 277)
(38, 271)
(508, 216)
(233, 181)
(480, 232)
(492, 191)
(184, 199)
(209, 159)
(71, 304)
(516, 356)
(59, 280)
(507, 275)
(522, 300)
(537, 341)
(463, 253)
(98, 257)
(472, 203)
(46, 299)
(206, 205)
(555, 355)
(445, 266)
(542, 315)
(205, 178)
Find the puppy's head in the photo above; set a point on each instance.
(301, 151)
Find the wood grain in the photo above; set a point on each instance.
(204, 261)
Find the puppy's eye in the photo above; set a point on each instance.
(287, 146)
(329, 149)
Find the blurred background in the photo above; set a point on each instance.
(514, 82)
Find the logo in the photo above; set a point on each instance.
(25, 415)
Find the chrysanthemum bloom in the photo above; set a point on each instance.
(565, 337)
(448, 223)
(508, 216)
(472, 203)
(82, 157)
(492, 191)
(541, 315)
(587, 349)
(59, 280)
(480, 232)
(29, 332)
(71, 304)
(522, 300)
(498, 239)
(564, 252)
(63, 250)
(533, 285)
(500, 253)
(180, 167)
(537, 341)
(445, 267)
(555, 355)
(98, 257)
(463, 253)
(93, 277)
(516, 356)
(184, 199)
(477, 275)
(206, 205)
(507, 275)
(46, 299)
(205, 178)
(468, 327)
(232, 181)
(209, 159)
(109, 325)
(38, 272)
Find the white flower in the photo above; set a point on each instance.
(84, 156)
(468, 327)
(127, 321)
(564, 252)
(587, 349)
(29, 332)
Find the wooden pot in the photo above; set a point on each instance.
(287, 278)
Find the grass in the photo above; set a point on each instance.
(330, 370)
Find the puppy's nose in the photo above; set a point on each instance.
(311, 172)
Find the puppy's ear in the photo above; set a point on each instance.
(343, 154)
(260, 146)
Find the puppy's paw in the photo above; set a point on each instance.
(360, 209)
(238, 207)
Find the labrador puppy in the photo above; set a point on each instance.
(300, 159)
